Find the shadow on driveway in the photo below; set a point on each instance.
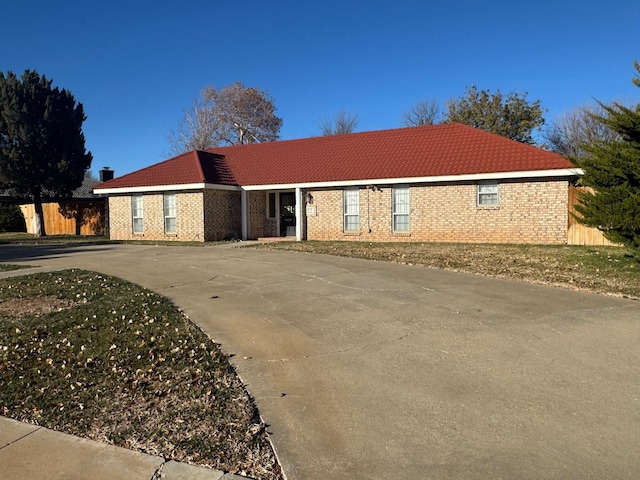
(27, 253)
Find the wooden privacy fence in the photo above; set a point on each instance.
(73, 217)
(578, 234)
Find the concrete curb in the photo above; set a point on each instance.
(31, 451)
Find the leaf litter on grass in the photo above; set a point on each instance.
(105, 359)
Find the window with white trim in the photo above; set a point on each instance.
(170, 213)
(351, 202)
(137, 214)
(400, 209)
(488, 194)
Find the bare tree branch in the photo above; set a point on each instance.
(234, 115)
(425, 112)
(578, 128)
(341, 122)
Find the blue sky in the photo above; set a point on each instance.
(137, 64)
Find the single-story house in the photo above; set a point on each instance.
(438, 183)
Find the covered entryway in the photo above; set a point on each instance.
(272, 213)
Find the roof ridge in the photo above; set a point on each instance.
(338, 136)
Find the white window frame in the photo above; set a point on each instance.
(137, 213)
(401, 208)
(168, 213)
(488, 194)
(351, 210)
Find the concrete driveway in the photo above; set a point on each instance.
(374, 370)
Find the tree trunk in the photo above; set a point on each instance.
(79, 218)
(37, 203)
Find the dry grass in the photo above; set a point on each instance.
(99, 357)
(603, 270)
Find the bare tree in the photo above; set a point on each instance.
(425, 112)
(577, 128)
(233, 115)
(196, 131)
(341, 122)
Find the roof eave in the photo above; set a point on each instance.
(164, 188)
(564, 172)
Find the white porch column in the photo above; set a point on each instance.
(299, 218)
(244, 209)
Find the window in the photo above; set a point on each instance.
(400, 209)
(137, 214)
(488, 194)
(271, 205)
(351, 202)
(170, 213)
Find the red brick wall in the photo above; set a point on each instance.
(532, 211)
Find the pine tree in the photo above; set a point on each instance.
(612, 171)
(42, 151)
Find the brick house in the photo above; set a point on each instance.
(435, 183)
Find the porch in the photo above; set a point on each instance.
(273, 214)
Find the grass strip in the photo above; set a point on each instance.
(603, 270)
(9, 267)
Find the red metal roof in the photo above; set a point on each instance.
(429, 151)
(188, 168)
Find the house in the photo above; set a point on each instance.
(439, 183)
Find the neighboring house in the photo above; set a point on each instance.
(449, 183)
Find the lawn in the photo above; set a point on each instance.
(603, 270)
(8, 267)
(105, 359)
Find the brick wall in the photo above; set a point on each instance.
(529, 212)
(259, 224)
(222, 215)
(189, 218)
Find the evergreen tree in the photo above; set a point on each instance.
(42, 150)
(612, 171)
(512, 116)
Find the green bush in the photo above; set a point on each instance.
(11, 219)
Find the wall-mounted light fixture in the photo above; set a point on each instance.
(308, 198)
(374, 188)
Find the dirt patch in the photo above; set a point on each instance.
(34, 306)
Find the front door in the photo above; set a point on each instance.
(287, 214)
